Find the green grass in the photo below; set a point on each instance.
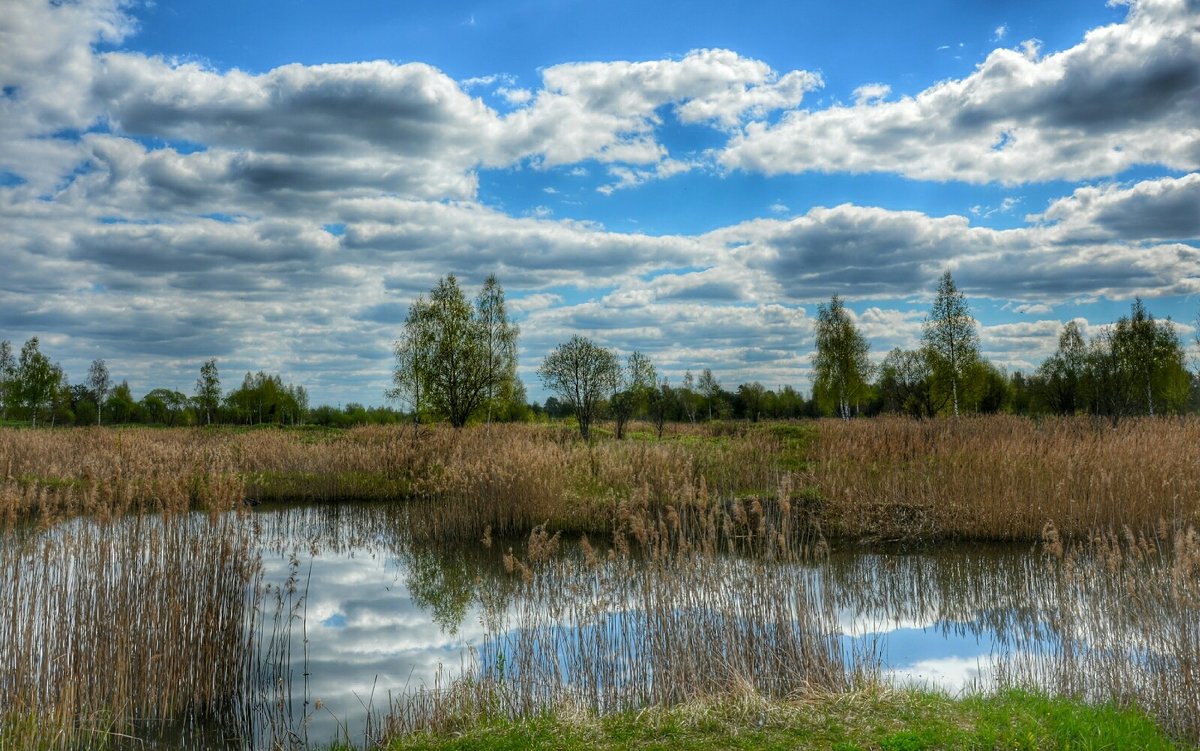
(863, 721)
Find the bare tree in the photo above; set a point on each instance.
(582, 373)
(710, 388)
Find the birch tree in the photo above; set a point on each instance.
(98, 384)
(453, 356)
(950, 337)
(840, 364)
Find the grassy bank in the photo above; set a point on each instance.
(1001, 478)
(883, 720)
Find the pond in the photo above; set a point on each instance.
(352, 615)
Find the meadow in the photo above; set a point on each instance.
(634, 574)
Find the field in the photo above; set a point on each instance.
(704, 541)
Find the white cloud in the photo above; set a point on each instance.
(627, 177)
(871, 93)
(1127, 94)
(608, 111)
(215, 244)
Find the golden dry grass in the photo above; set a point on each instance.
(103, 625)
(1004, 478)
(974, 478)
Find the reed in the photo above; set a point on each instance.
(1126, 608)
(106, 473)
(124, 625)
(1002, 478)
(671, 610)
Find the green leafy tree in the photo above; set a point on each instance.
(950, 338)
(264, 398)
(841, 366)
(121, 406)
(455, 357)
(1151, 358)
(583, 374)
(1060, 378)
(208, 390)
(98, 382)
(987, 388)
(8, 379)
(632, 392)
(165, 407)
(753, 399)
(38, 379)
(661, 400)
(500, 345)
(906, 383)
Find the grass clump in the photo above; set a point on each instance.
(867, 720)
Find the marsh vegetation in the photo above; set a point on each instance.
(151, 581)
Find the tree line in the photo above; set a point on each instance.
(36, 390)
(1134, 367)
(456, 360)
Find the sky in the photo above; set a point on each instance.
(272, 183)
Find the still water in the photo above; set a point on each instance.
(352, 615)
(380, 615)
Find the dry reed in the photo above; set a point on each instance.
(1125, 609)
(126, 624)
(975, 478)
(1003, 478)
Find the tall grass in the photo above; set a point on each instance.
(1003, 478)
(105, 473)
(114, 626)
(676, 607)
(999, 478)
(1126, 611)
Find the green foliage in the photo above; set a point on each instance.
(892, 721)
(841, 368)
(208, 391)
(98, 384)
(121, 406)
(455, 359)
(950, 339)
(37, 381)
(266, 398)
(583, 374)
(906, 383)
(636, 385)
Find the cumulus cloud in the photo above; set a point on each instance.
(1162, 209)
(883, 253)
(1128, 94)
(158, 212)
(609, 111)
(47, 69)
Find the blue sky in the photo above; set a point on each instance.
(272, 183)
